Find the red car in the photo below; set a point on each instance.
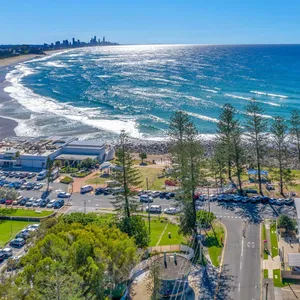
(8, 202)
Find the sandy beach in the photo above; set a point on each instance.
(7, 126)
(9, 61)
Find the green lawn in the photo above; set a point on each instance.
(277, 278)
(274, 242)
(213, 243)
(176, 238)
(157, 227)
(19, 212)
(8, 230)
(264, 237)
(97, 180)
(266, 273)
(154, 183)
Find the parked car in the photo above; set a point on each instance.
(107, 191)
(2, 201)
(2, 256)
(38, 186)
(162, 195)
(37, 202)
(58, 204)
(7, 252)
(171, 210)
(29, 203)
(44, 202)
(86, 189)
(63, 195)
(31, 175)
(51, 203)
(8, 202)
(24, 234)
(146, 198)
(46, 193)
(289, 201)
(99, 191)
(11, 185)
(154, 208)
(23, 201)
(17, 243)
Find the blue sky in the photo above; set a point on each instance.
(156, 21)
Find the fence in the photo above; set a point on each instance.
(145, 264)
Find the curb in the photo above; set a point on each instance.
(222, 259)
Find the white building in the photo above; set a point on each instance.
(17, 153)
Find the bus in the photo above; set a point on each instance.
(42, 175)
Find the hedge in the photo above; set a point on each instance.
(67, 180)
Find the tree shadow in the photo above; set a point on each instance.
(215, 285)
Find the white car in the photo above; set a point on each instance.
(38, 186)
(280, 201)
(34, 226)
(154, 208)
(171, 211)
(146, 198)
(51, 203)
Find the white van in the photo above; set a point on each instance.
(86, 189)
(154, 209)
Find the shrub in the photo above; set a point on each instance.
(81, 174)
(68, 170)
(67, 180)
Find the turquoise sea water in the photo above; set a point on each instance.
(99, 91)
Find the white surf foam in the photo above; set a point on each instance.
(210, 91)
(250, 99)
(202, 117)
(268, 94)
(44, 106)
(56, 64)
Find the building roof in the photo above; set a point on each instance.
(87, 144)
(294, 259)
(255, 172)
(75, 157)
(172, 271)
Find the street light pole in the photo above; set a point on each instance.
(148, 205)
(208, 199)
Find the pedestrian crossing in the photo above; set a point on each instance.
(228, 217)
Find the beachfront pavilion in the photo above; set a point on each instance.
(254, 173)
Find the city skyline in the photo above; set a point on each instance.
(133, 22)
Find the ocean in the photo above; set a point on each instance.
(96, 92)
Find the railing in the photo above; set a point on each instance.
(145, 264)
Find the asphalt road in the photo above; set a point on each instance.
(240, 277)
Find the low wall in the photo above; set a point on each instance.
(29, 219)
(290, 275)
(144, 265)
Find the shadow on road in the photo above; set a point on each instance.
(210, 279)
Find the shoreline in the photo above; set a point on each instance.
(7, 125)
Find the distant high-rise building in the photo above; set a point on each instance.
(95, 39)
(57, 43)
(73, 41)
(78, 42)
(103, 40)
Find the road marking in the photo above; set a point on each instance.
(242, 247)
(239, 288)
(248, 244)
(241, 265)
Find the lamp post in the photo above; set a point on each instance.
(148, 205)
